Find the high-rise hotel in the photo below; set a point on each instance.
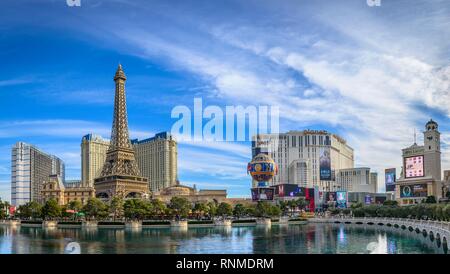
(30, 168)
(93, 155)
(156, 158)
(298, 153)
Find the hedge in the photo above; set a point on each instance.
(110, 223)
(244, 221)
(156, 223)
(69, 223)
(439, 212)
(298, 220)
(209, 222)
(31, 222)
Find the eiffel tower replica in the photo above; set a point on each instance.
(120, 175)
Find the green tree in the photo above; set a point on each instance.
(431, 200)
(75, 205)
(301, 203)
(212, 209)
(51, 209)
(159, 208)
(239, 210)
(284, 206)
(224, 209)
(95, 208)
(116, 207)
(250, 210)
(180, 206)
(137, 209)
(30, 210)
(2, 210)
(263, 209)
(200, 209)
(446, 212)
(275, 211)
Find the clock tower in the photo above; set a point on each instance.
(432, 150)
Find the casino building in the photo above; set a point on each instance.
(421, 171)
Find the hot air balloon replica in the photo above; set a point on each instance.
(262, 168)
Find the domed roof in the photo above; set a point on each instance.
(178, 190)
(431, 125)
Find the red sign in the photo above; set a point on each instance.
(12, 210)
(71, 211)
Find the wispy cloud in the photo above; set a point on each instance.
(372, 82)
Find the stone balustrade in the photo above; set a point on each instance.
(440, 230)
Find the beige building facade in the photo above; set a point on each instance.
(357, 180)
(191, 194)
(55, 189)
(93, 155)
(157, 160)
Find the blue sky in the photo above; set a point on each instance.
(370, 74)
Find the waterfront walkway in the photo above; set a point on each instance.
(434, 229)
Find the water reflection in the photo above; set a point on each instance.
(305, 239)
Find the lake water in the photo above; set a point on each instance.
(296, 239)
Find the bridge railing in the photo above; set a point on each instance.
(431, 224)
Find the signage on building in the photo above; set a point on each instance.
(414, 167)
(390, 179)
(411, 191)
(325, 164)
(368, 200)
(262, 194)
(341, 199)
(330, 197)
(290, 190)
(12, 210)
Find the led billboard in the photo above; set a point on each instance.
(325, 164)
(290, 190)
(341, 199)
(262, 194)
(414, 167)
(411, 191)
(390, 178)
(330, 197)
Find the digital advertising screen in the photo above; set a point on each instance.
(290, 190)
(390, 179)
(414, 167)
(325, 164)
(341, 199)
(368, 200)
(413, 191)
(330, 197)
(262, 194)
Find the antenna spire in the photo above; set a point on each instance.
(415, 136)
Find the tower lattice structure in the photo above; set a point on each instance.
(120, 174)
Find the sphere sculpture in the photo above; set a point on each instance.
(262, 168)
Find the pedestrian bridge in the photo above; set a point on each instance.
(435, 230)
